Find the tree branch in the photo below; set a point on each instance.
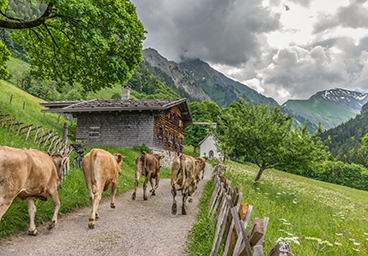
(22, 24)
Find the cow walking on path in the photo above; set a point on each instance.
(29, 174)
(101, 170)
(149, 166)
(184, 172)
(201, 167)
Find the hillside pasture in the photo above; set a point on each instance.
(314, 217)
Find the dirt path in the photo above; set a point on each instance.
(132, 228)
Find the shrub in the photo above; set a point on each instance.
(142, 148)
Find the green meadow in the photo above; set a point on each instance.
(314, 217)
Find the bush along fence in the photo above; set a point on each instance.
(44, 137)
(231, 222)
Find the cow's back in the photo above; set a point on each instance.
(105, 167)
(24, 170)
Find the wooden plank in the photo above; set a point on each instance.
(281, 249)
(217, 239)
(37, 131)
(217, 203)
(11, 125)
(239, 225)
(214, 193)
(256, 231)
(216, 198)
(29, 130)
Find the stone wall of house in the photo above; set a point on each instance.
(168, 157)
(122, 129)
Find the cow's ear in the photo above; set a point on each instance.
(124, 156)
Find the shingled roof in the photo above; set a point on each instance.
(100, 105)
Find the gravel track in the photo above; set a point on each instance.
(133, 228)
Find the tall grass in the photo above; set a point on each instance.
(315, 217)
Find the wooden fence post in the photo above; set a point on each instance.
(11, 98)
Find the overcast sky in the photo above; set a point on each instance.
(283, 49)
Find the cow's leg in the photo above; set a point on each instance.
(96, 201)
(203, 174)
(156, 183)
(173, 192)
(55, 200)
(191, 192)
(113, 193)
(137, 175)
(148, 177)
(97, 215)
(184, 206)
(32, 230)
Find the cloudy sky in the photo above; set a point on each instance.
(283, 49)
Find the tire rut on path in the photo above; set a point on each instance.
(133, 228)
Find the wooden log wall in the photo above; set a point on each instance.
(169, 130)
(231, 221)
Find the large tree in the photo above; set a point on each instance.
(91, 42)
(266, 135)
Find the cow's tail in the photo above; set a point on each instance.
(144, 153)
(183, 170)
(93, 180)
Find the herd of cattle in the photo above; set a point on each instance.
(28, 174)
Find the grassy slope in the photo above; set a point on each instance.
(297, 207)
(316, 110)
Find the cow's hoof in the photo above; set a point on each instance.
(190, 200)
(91, 225)
(52, 225)
(133, 196)
(183, 211)
(112, 206)
(173, 209)
(145, 198)
(97, 216)
(153, 193)
(32, 232)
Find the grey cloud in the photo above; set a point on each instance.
(352, 16)
(305, 3)
(217, 31)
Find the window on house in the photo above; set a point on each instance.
(94, 132)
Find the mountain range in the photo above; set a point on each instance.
(196, 80)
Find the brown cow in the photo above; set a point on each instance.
(29, 174)
(183, 173)
(104, 167)
(201, 167)
(149, 166)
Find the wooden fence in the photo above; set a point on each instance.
(44, 137)
(231, 222)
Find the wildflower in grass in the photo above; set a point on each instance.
(356, 249)
(294, 202)
(338, 234)
(337, 243)
(289, 239)
(351, 239)
(283, 220)
(355, 243)
(366, 234)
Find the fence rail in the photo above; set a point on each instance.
(232, 220)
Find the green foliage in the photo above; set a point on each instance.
(345, 174)
(4, 57)
(142, 148)
(266, 136)
(201, 112)
(85, 42)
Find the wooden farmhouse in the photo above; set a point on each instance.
(158, 124)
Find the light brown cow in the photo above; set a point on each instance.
(101, 170)
(201, 167)
(149, 166)
(183, 173)
(29, 174)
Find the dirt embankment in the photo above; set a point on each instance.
(133, 228)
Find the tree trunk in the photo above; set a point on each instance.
(195, 149)
(259, 175)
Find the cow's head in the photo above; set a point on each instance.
(59, 161)
(158, 157)
(119, 159)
